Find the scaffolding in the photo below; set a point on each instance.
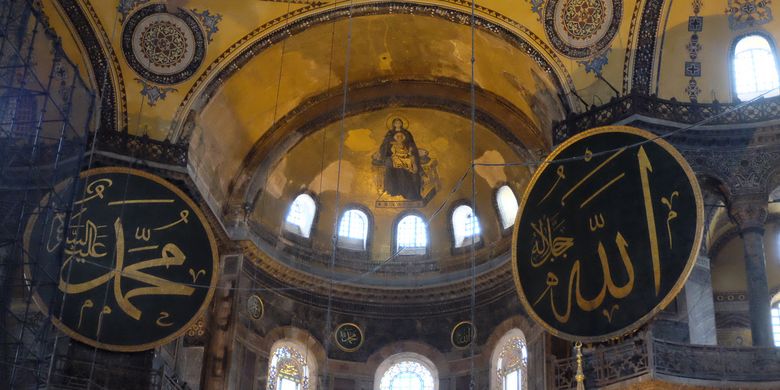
(46, 111)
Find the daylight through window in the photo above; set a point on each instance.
(411, 236)
(755, 70)
(353, 230)
(301, 215)
(465, 226)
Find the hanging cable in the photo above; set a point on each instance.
(474, 221)
(337, 205)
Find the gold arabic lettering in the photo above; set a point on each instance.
(87, 304)
(171, 255)
(143, 233)
(561, 176)
(644, 167)
(545, 245)
(591, 173)
(348, 336)
(670, 215)
(608, 285)
(95, 189)
(163, 315)
(195, 275)
(85, 246)
(183, 215)
(596, 222)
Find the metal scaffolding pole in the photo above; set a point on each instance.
(46, 113)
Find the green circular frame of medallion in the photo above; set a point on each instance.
(454, 328)
(360, 331)
(183, 329)
(691, 261)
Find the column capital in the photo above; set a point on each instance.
(749, 214)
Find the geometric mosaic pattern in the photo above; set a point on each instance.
(582, 28)
(163, 47)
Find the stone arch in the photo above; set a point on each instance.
(297, 336)
(238, 54)
(392, 360)
(433, 355)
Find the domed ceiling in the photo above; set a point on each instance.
(594, 49)
(400, 66)
(260, 93)
(356, 178)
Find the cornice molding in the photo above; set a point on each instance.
(351, 298)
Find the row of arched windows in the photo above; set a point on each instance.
(411, 231)
(292, 368)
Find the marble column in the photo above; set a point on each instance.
(750, 215)
(700, 305)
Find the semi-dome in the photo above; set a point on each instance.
(374, 191)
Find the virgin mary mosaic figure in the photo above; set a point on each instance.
(401, 159)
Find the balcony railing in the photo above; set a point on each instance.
(624, 107)
(668, 361)
(141, 147)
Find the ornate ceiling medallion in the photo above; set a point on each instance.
(582, 28)
(162, 47)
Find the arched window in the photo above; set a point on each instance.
(411, 236)
(510, 362)
(289, 369)
(406, 371)
(465, 226)
(755, 70)
(507, 206)
(353, 230)
(301, 215)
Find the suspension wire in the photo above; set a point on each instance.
(337, 206)
(474, 221)
(261, 196)
(323, 151)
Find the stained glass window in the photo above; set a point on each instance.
(512, 364)
(407, 375)
(301, 215)
(755, 70)
(353, 230)
(288, 370)
(507, 206)
(465, 226)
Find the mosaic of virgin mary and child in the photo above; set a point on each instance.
(408, 170)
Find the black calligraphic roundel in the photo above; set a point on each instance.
(349, 337)
(462, 334)
(607, 233)
(122, 260)
(255, 307)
